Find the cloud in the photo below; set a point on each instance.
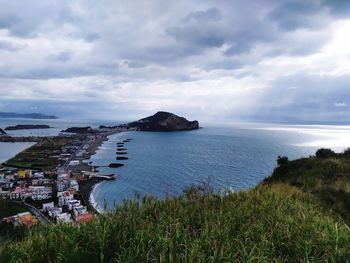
(8, 46)
(227, 58)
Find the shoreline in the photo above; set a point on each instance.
(93, 201)
(86, 188)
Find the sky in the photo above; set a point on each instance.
(222, 60)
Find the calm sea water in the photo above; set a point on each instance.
(57, 125)
(8, 150)
(160, 164)
(237, 158)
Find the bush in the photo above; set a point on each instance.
(325, 153)
(282, 160)
(347, 152)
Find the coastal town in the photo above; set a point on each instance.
(51, 181)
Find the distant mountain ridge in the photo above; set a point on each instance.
(26, 115)
(27, 127)
(164, 121)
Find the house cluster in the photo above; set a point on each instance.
(60, 190)
(22, 219)
(68, 208)
(20, 184)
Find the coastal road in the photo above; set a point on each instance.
(43, 220)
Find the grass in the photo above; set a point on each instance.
(9, 208)
(327, 179)
(278, 223)
(299, 214)
(7, 231)
(41, 156)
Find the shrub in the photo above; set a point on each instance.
(325, 153)
(282, 160)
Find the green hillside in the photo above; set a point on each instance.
(299, 214)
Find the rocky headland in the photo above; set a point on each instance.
(164, 121)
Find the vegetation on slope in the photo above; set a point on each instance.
(9, 208)
(299, 214)
(8, 231)
(277, 222)
(41, 156)
(326, 176)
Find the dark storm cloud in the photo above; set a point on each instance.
(213, 28)
(290, 15)
(121, 33)
(8, 20)
(338, 7)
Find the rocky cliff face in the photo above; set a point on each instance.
(164, 121)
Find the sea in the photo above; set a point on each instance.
(231, 157)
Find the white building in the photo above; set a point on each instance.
(74, 163)
(38, 175)
(35, 192)
(79, 210)
(53, 212)
(63, 177)
(64, 198)
(48, 206)
(63, 218)
(73, 203)
(41, 192)
(74, 184)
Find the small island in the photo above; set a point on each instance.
(27, 127)
(79, 130)
(164, 121)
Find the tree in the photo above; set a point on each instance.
(29, 200)
(347, 152)
(325, 153)
(282, 160)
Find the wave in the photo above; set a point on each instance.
(93, 202)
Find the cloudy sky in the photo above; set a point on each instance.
(264, 60)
